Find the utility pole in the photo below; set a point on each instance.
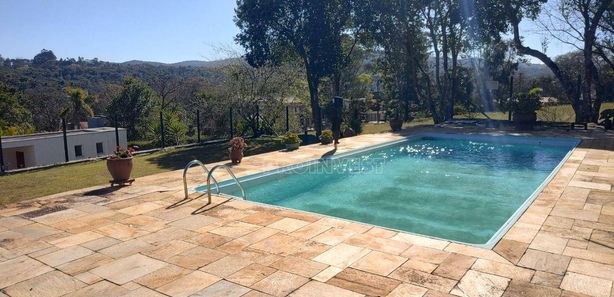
(65, 140)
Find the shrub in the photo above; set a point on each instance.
(291, 138)
(524, 102)
(121, 153)
(326, 137)
(238, 143)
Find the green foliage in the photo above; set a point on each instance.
(175, 129)
(525, 102)
(132, 107)
(14, 118)
(44, 58)
(291, 138)
(326, 137)
(79, 108)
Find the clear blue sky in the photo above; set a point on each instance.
(113, 30)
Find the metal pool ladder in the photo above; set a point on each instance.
(206, 171)
(210, 176)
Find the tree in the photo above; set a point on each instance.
(44, 58)
(14, 118)
(132, 107)
(312, 30)
(79, 108)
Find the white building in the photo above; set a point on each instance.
(48, 148)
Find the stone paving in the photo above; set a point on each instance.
(130, 242)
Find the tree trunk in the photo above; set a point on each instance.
(316, 112)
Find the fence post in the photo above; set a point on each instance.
(231, 124)
(116, 131)
(162, 129)
(509, 112)
(198, 125)
(65, 139)
(257, 121)
(287, 118)
(1, 156)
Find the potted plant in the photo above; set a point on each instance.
(606, 117)
(393, 112)
(120, 165)
(326, 137)
(292, 141)
(524, 107)
(237, 146)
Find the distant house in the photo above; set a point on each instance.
(42, 149)
(548, 100)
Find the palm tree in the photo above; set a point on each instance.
(79, 108)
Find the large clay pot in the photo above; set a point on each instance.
(396, 124)
(525, 121)
(120, 169)
(236, 156)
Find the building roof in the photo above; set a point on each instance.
(38, 136)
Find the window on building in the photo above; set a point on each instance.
(99, 148)
(78, 151)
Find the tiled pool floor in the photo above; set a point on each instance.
(96, 242)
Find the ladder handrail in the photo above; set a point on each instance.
(185, 172)
(229, 170)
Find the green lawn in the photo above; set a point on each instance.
(38, 183)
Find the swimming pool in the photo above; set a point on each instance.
(458, 187)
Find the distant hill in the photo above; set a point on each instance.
(192, 63)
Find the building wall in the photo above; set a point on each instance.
(50, 150)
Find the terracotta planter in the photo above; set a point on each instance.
(236, 156)
(120, 169)
(292, 146)
(396, 125)
(525, 121)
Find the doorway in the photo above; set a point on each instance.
(21, 159)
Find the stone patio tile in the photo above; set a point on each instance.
(227, 265)
(258, 235)
(523, 289)
(603, 238)
(300, 266)
(310, 231)
(280, 244)
(343, 224)
(162, 276)
(590, 185)
(84, 264)
(233, 247)
(222, 289)
(559, 222)
(586, 285)
(543, 261)
(280, 283)
(334, 236)
(251, 274)
(194, 222)
(140, 208)
(36, 230)
(100, 243)
(19, 244)
(454, 266)
(501, 269)
(254, 293)
(59, 216)
(189, 284)
(420, 265)
(591, 268)
(168, 249)
(311, 249)
(379, 263)
(342, 255)
(143, 292)
(127, 248)
(127, 269)
(102, 288)
(381, 232)
(209, 240)
(475, 252)
(235, 229)
(407, 290)
(19, 269)
(88, 278)
(547, 279)
(548, 242)
(121, 231)
(425, 254)
(585, 215)
(327, 274)
(482, 284)
(363, 282)
(66, 255)
(421, 241)
(318, 289)
(168, 234)
(601, 257)
(288, 224)
(423, 279)
(50, 284)
(14, 222)
(511, 250)
(379, 244)
(147, 223)
(521, 234)
(261, 218)
(196, 257)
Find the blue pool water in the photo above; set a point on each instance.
(461, 188)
